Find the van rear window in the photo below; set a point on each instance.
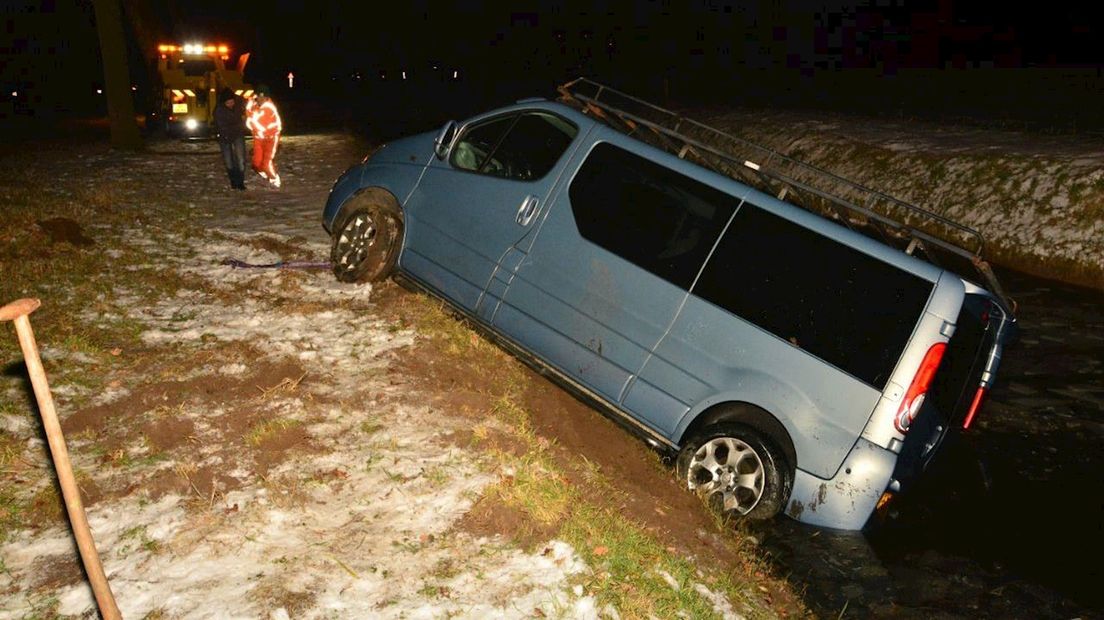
(846, 307)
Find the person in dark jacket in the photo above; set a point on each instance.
(230, 123)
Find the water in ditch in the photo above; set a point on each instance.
(1009, 521)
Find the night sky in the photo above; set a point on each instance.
(830, 53)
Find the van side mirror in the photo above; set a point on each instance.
(443, 142)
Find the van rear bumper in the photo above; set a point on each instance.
(846, 501)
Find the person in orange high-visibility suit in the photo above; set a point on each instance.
(263, 120)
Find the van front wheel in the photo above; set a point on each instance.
(366, 244)
(736, 470)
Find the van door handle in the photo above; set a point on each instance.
(528, 210)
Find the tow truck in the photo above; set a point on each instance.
(188, 79)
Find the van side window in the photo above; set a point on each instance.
(523, 147)
(534, 145)
(662, 221)
(846, 307)
(474, 147)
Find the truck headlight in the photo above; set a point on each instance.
(191, 124)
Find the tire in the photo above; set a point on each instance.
(366, 244)
(738, 471)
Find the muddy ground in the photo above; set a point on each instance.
(278, 444)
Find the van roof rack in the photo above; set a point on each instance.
(915, 230)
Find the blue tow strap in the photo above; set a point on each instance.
(291, 264)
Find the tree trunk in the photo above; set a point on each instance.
(120, 105)
(144, 25)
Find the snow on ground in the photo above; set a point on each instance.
(361, 528)
(367, 550)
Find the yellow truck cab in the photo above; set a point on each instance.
(189, 78)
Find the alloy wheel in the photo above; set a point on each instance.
(354, 243)
(728, 473)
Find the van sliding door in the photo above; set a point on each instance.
(611, 265)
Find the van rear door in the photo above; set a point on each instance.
(959, 388)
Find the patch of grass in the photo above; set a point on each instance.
(631, 568)
(480, 434)
(11, 449)
(438, 475)
(445, 569)
(77, 282)
(19, 406)
(430, 590)
(82, 342)
(268, 429)
(538, 489)
(507, 409)
(273, 594)
(433, 318)
(124, 458)
(136, 538)
(286, 491)
(11, 511)
(19, 505)
(45, 506)
(43, 608)
(119, 457)
(407, 546)
(287, 386)
(371, 461)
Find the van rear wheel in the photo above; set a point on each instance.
(736, 470)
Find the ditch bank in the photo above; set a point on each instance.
(1037, 199)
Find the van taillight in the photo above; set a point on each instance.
(914, 397)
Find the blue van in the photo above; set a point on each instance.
(789, 362)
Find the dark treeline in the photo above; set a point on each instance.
(980, 62)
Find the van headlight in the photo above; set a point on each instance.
(191, 124)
